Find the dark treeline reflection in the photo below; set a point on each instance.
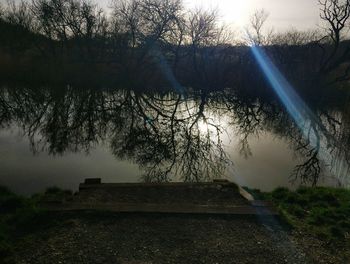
(176, 134)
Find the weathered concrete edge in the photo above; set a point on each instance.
(245, 194)
(171, 208)
(169, 184)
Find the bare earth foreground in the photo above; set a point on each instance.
(135, 238)
(101, 237)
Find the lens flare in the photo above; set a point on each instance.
(292, 102)
(313, 131)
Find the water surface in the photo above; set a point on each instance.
(59, 137)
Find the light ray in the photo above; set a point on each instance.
(295, 106)
(298, 110)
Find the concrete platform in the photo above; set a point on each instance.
(217, 197)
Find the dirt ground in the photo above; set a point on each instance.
(161, 238)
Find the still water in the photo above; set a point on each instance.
(59, 137)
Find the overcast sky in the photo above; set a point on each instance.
(284, 14)
(301, 14)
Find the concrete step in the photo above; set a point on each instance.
(165, 208)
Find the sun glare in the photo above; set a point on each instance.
(235, 12)
(238, 12)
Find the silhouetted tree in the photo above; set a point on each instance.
(294, 37)
(335, 14)
(255, 31)
(19, 15)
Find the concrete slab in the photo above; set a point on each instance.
(218, 197)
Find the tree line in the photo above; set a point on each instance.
(160, 42)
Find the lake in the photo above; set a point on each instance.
(60, 136)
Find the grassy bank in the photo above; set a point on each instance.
(324, 212)
(15, 212)
(20, 216)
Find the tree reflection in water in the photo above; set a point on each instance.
(170, 135)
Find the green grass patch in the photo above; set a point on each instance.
(320, 210)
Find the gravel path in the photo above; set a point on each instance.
(131, 238)
(145, 238)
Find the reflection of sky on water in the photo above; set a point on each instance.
(194, 138)
(268, 167)
(27, 173)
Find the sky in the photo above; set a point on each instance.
(283, 14)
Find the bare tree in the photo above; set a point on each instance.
(255, 31)
(148, 20)
(225, 35)
(51, 17)
(86, 20)
(202, 27)
(160, 17)
(76, 25)
(127, 19)
(17, 32)
(294, 37)
(201, 32)
(18, 14)
(65, 19)
(1, 11)
(335, 14)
